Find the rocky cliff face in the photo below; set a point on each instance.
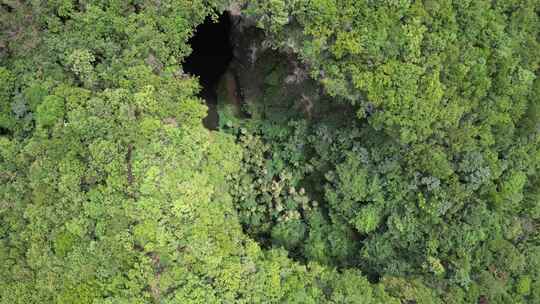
(268, 83)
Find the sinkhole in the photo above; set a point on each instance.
(211, 55)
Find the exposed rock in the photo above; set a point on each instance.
(170, 121)
(262, 82)
(154, 63)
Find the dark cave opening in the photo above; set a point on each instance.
(4, 132)
(212, 53)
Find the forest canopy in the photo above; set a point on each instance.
(366, 152)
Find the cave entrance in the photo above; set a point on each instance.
(212, 52)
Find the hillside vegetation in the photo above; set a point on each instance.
(388, 152)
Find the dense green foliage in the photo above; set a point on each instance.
(412, 177)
